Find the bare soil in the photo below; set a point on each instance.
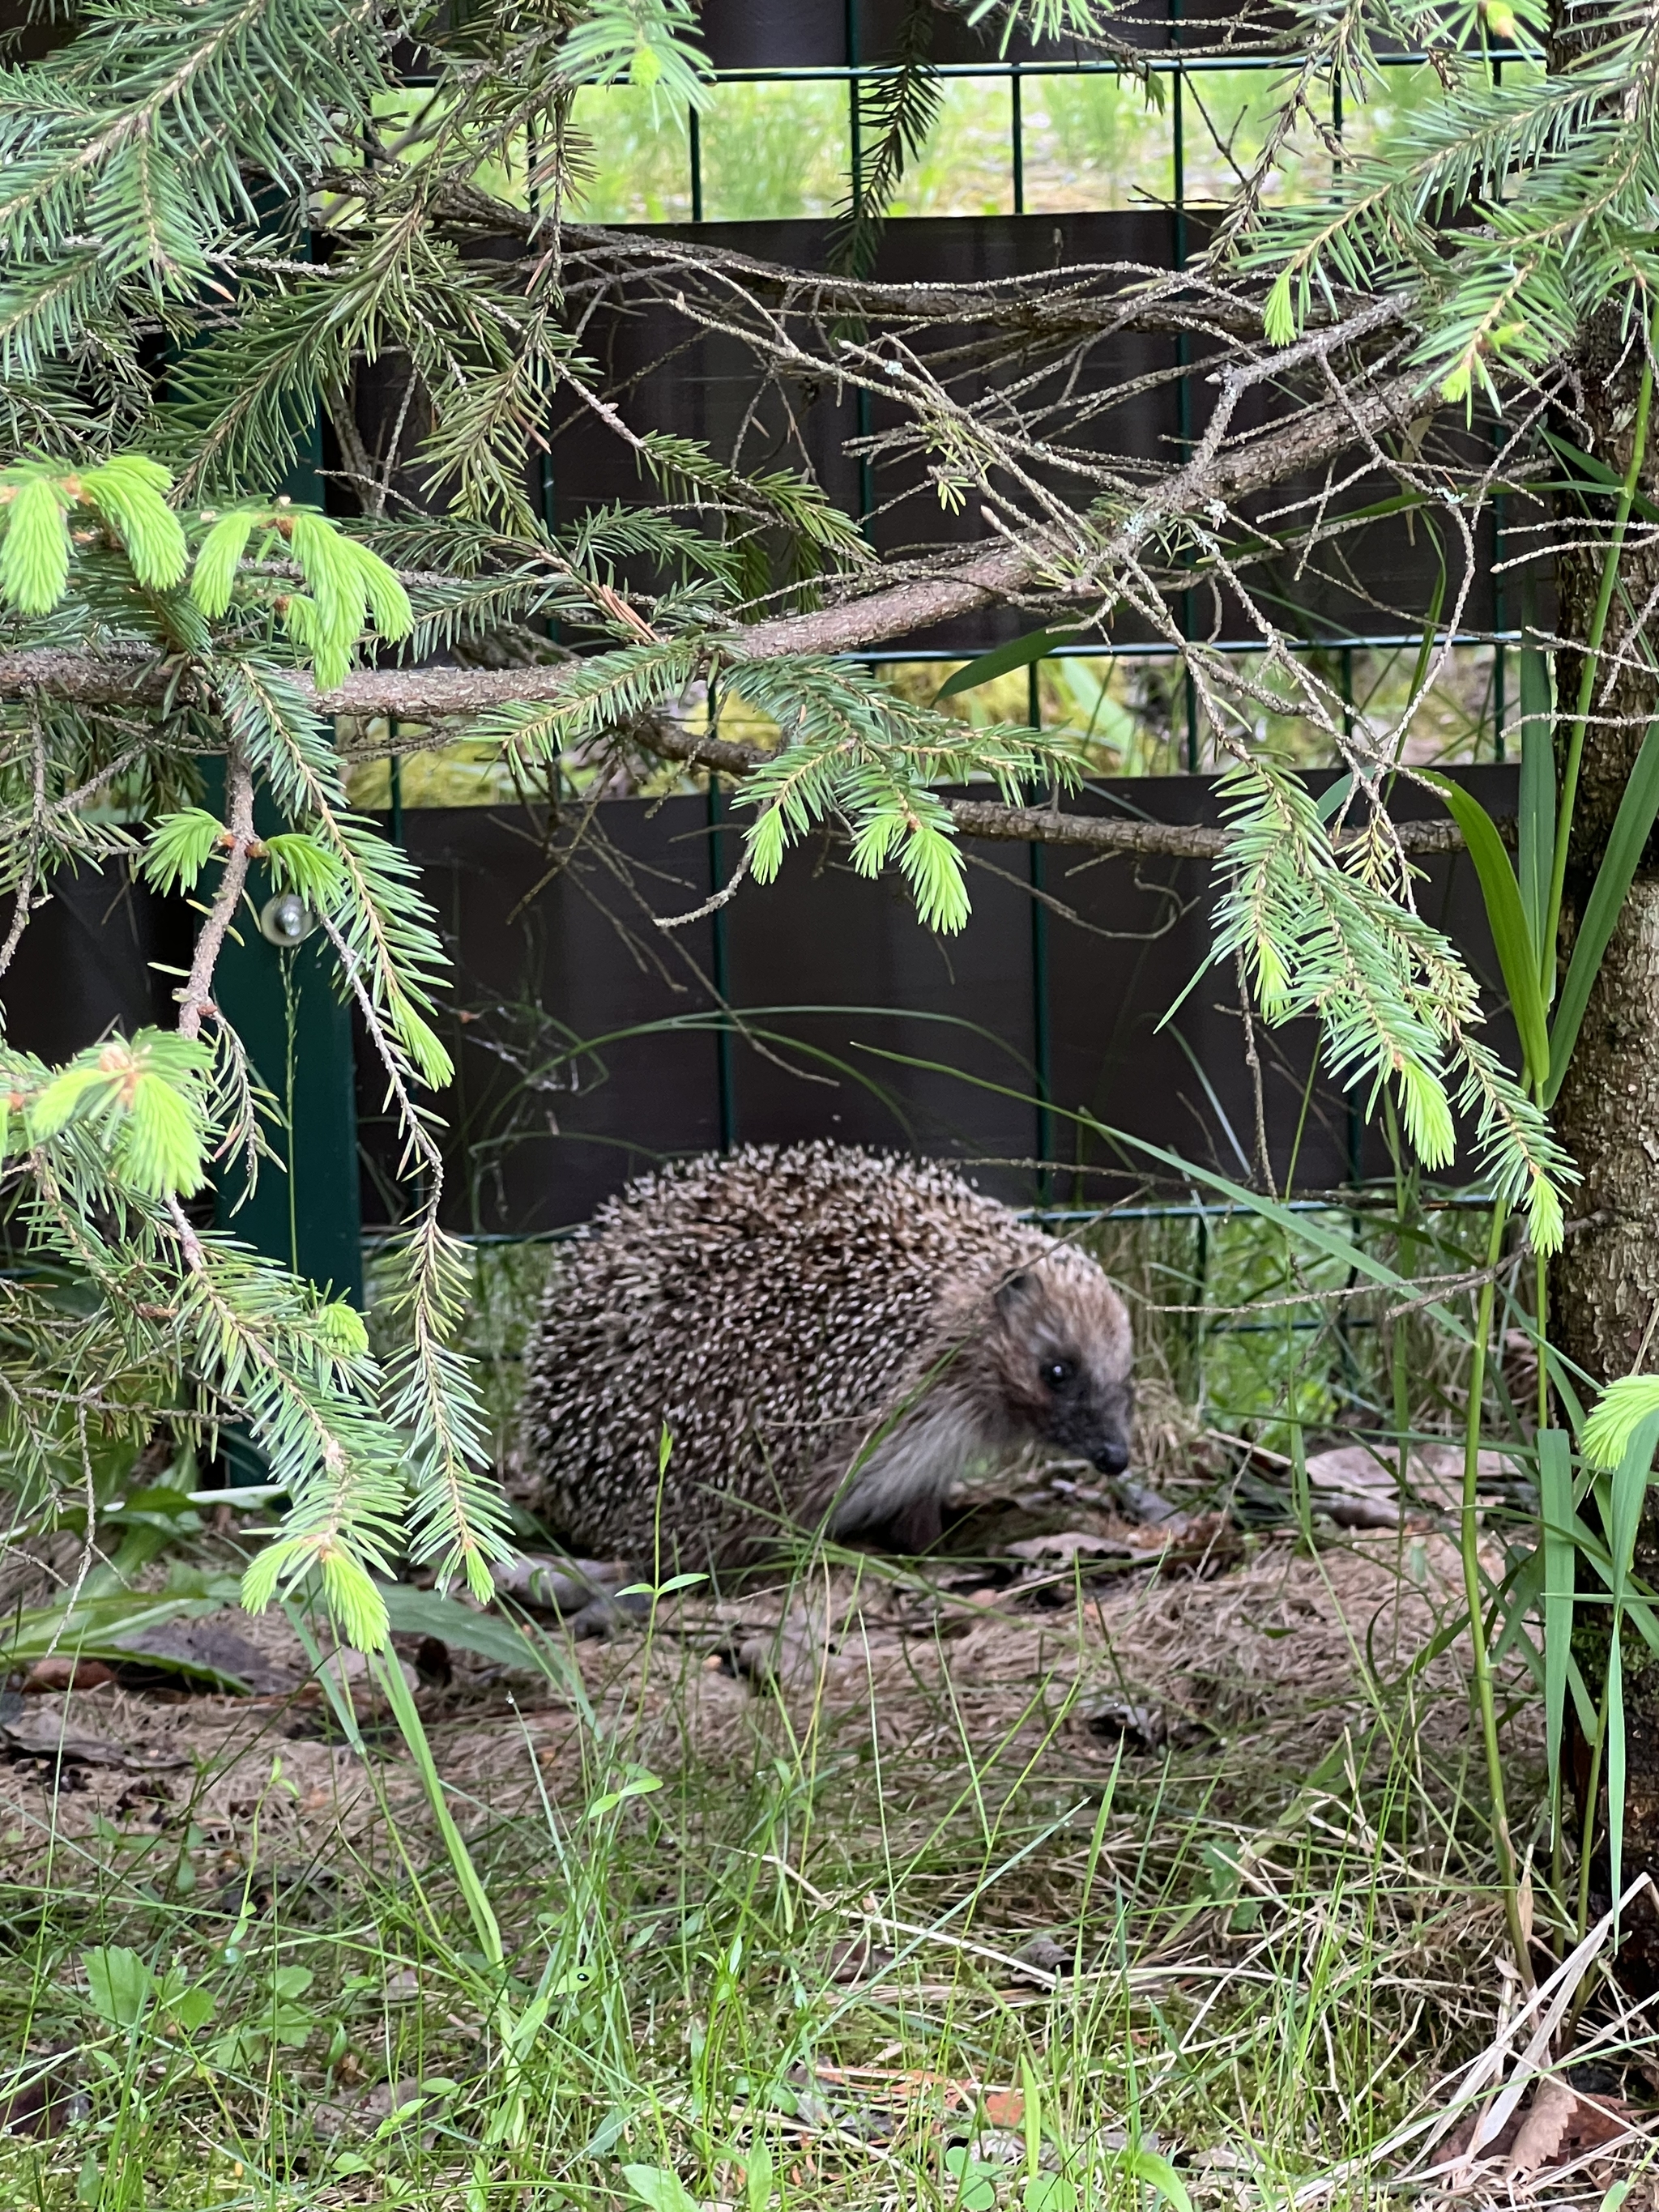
(1253, 1654)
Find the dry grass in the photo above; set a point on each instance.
(1267, 1662)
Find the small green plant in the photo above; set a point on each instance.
(125, 1991)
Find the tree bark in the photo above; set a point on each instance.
(1605, 1285)
(1605, 1295)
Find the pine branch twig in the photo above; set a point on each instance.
(195, 1000)
(26, 882)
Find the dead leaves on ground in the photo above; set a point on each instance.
(887, 2105)
(1560, 2134)
(42, 1731)
(1557, 2132)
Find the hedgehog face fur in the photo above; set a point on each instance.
(828, 1337)
(1062, 1354)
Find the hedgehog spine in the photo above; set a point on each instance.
(827, 1336)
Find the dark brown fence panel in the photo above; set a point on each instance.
(1182, 1081)
(590, 1043)
(746, 35)
(571, 1072)
(91, 962)
(929, 1042)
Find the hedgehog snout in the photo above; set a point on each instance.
(1111, 1457)
(1086, 1413)
(1102, 1437)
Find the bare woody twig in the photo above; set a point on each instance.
(988, 818)
(25, 895)
(464, 691)
(195, 1000)
(1223, 471)
(1048, 566)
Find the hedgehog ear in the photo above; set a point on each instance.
(1012, 1292)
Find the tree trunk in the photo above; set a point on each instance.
(1604, 1286)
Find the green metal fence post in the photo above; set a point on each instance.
(1183, 389)
(726, 1093)
(1040, 1025)
(1016, 136)
(304, 1210)
(284, 1005)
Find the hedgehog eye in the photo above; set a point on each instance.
(1059, 1372)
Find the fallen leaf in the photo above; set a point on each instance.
(363, 2110)
(1557, 2126)
(1596, 2121)
(858, 1958)
(42, 1734)
(214, 1654)
(786, 1656)
(1065, 1544)
(1142, 1728)
(1006, 2108)
(1182, 1539)
(148, 1793)
(1539, 2139)
(1145, 1505)
(45, 2108)
(877, 2103)
(1350, 1512)
(1046, 1955)
(1435, 1472)
(61, 1674)
(563, 1586)
(1355, 1470)
(995, 2146)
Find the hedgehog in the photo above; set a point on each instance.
(811, 1338)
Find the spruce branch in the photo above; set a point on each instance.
(898, 109)
(1465, 260)
(458, 1514)
(339, 1463)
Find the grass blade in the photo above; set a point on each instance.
(1300, 1226)
(1627, 1488)
(1537, 846)
(1431, 620)
(1637, 811)
(1301, 1491)
(1517, 954)
(1556, 1519)
(1018, 652)
(1158, 2175)
(1615, 1761)
(1596, 479)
